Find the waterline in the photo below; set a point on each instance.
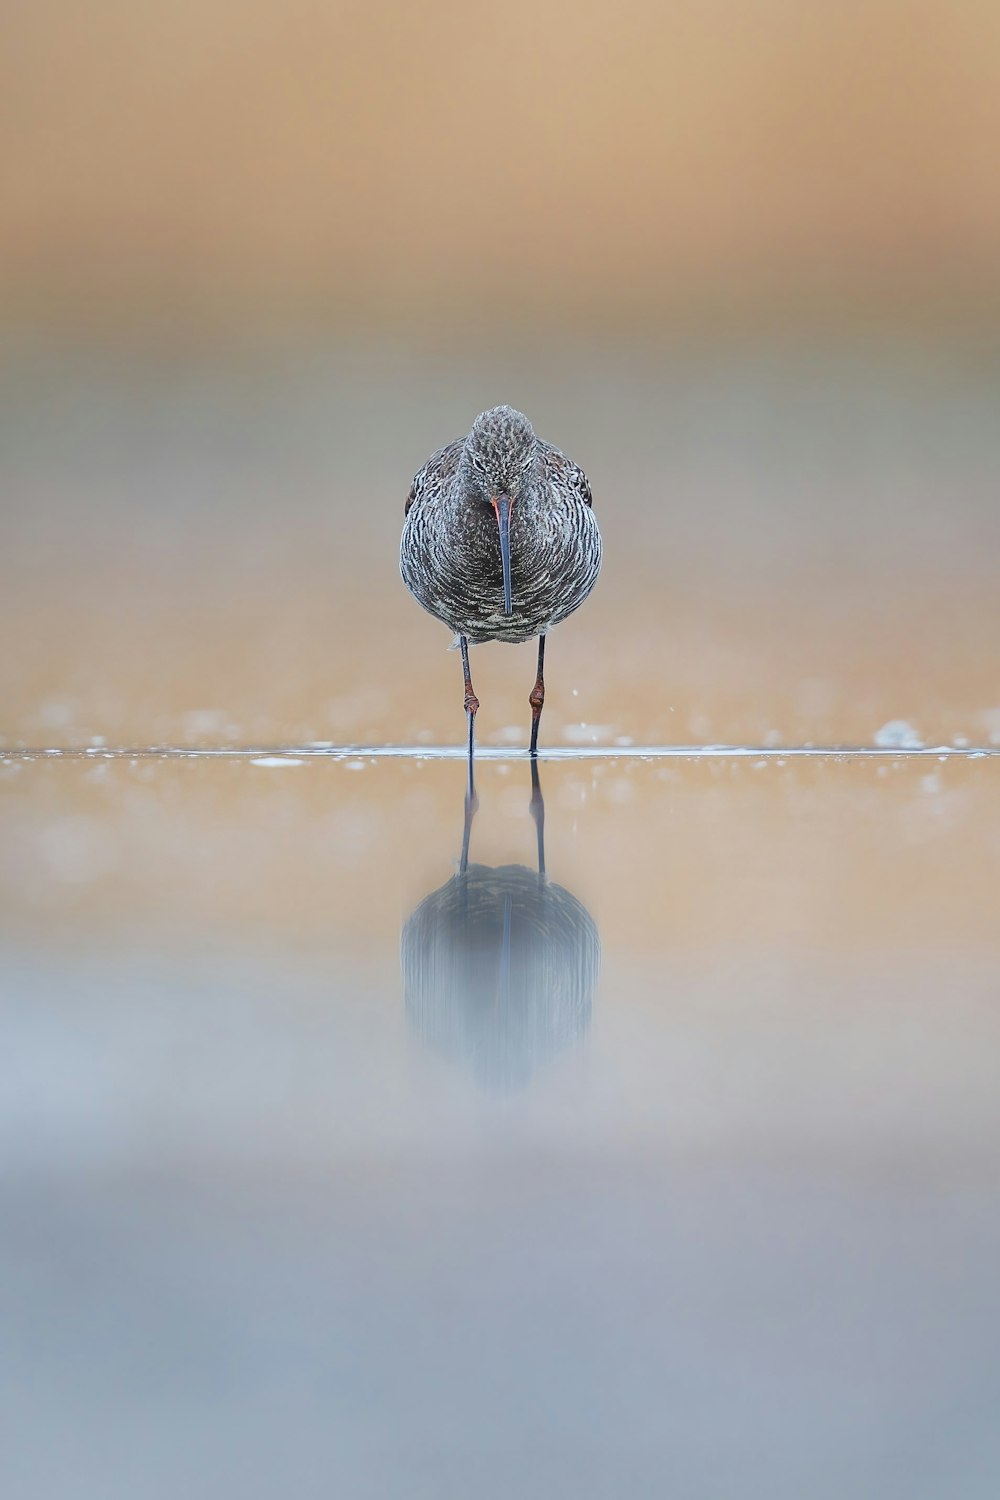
(282, 754)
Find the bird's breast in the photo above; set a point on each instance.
(451, 563)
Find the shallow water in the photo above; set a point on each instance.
(327, 1168)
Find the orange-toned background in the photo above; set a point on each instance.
(257, 261)
(234, 164)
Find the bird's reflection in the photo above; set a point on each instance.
(500, 965)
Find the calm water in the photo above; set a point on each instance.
(328, 1168)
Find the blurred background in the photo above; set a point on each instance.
(741, 261)
(268, 1221)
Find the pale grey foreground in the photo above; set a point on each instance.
(722, 1221)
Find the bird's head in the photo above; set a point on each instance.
(500, 455)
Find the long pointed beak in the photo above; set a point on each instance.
(501, 508)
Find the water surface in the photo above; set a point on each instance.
(327, 1167)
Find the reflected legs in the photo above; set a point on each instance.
(537, 806)
(538, 813)
(471, 808)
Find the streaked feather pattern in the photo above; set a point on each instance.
(450, 549)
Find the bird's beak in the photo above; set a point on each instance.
(501, 509)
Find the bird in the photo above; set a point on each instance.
(500, 542)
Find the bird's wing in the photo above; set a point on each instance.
(564, 473)
(437, 473)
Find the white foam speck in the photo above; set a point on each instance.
(56, 715)
(203, 720)
(898, 735)
(991, 721)
(354, 765)
(277, 760)
(98, 741)
(586, 734)
(510, 734)
(931, 783)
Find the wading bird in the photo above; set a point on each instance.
(500, 541)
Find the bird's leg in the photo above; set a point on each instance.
(538, 813)
(471, 701)
(471, 799)
(537, 696)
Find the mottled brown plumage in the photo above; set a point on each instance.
(500, 490)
